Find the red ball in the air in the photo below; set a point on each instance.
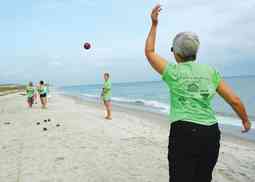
(87, 46)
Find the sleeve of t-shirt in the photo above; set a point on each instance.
(216, 78)
(167, 74)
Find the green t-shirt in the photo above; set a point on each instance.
(107, 90)
(30, 91)
(192, 87)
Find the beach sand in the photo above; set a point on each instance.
(86, 148)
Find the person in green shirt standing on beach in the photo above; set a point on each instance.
(42, 90)
(106, 95)
(194, 139)
(30, 90)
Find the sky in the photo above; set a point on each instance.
(42, 39)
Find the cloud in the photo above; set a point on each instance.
(225, 29)
(48, 37)
(56, 4)
(55, 63)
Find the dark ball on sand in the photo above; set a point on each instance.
(38, 123)
(58, 125)
(45, 120)
(49, 120)
(45, 129)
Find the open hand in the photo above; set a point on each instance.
(155, 13)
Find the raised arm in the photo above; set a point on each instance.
(154, 59)
(234, 101)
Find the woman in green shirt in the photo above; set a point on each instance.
(42, 90)
(30, 90)
(194, 138)
(106, 95)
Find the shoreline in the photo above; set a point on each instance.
(142, 106)
(85, 147)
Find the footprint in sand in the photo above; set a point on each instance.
(59, 159)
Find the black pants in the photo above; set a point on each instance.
(43, 95)
(192, 152)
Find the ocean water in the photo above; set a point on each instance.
(153, 96)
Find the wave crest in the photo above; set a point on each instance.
(162, 107)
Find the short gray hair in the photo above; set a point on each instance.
(186, 44)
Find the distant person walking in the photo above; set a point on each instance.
(42, 90)
(106, 96)
(194, 139)
(30, 90)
